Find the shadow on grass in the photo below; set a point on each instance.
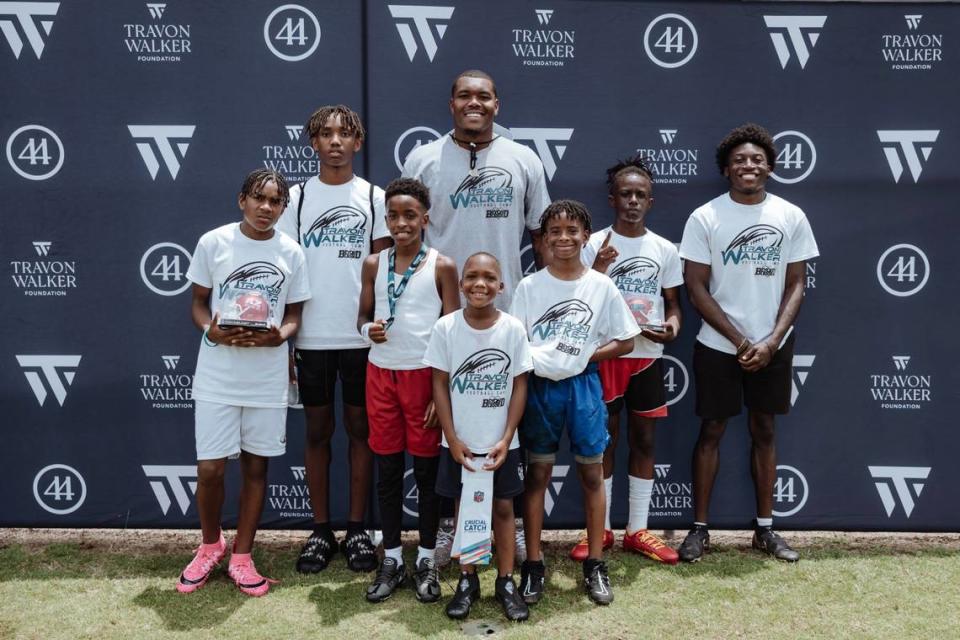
(209, 607)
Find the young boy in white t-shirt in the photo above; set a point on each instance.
(575, 318)
(405, 289)
(338, 219)
(480, 357)
(645, 267)
(246, 273)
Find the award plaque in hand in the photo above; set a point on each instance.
(648, 310)
(249, 309)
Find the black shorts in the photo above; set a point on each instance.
(507, 480)
(723, 387)
(317, 373)
(644, 394)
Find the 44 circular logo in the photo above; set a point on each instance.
(903, 270)
(673, 44)
(790, 492)
(163, 268)
(59, 489)
(35, 152)
(292, 32)
(676, 381)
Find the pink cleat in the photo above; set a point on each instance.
(207, 558)
(246, 576)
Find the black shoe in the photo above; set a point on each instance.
(596, 581)
(390, 575)
(360, 552)
(531, 581)
(514, 608)
(468, 592)
(316, 553)
(426, 581)
(765, 539)
(695, 544)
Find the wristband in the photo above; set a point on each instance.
(365, 330)
(743, 347)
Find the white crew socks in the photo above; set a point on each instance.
(640, 492)
(424, 553)
(608, 488)
(396, 553)
(765, 522)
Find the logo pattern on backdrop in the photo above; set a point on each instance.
(34, 19)
(429, 26)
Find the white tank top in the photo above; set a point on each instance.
(418, 309)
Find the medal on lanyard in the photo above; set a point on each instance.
(395, 290)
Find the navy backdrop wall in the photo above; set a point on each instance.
(128, 127)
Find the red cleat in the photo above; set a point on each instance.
(581, 550)
(644, 542)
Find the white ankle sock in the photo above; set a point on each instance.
(765, 522)
(608, 488)
(396, 553)
(424, 553)
(640, 492)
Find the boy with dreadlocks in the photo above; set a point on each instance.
(248, 271)
(338, 219)
(575, 318)
(644, 267)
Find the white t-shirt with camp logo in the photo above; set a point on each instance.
(482, 364)
(748, 248)
(335, 228)
(643, 268)
(485, 212)
(567, 320)
(242, 271)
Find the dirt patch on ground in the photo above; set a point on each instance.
(167, 540)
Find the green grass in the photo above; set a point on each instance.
(840, 589)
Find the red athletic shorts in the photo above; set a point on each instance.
(638, 382)
(396, 405)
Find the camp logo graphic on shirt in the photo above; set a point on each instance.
(637, 275)
(341, 226)
(569, 321)
(260, 276)
(490, 189)
(485, 372)
(757, 245)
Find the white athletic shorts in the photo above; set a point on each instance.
(223, 430)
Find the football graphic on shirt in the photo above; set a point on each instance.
(758, 236)
(340, 217)
(490, 361)
(573, 311)
(262, 274)
(636, 268)
(486, 178)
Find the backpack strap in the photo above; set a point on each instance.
(303, 194)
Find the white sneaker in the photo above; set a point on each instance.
(520, 545)
(441, 555)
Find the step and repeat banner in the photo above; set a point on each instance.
(127, 128)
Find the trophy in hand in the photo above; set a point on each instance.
(249, 309)
(648, 311)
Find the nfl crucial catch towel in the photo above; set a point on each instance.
(472, 540)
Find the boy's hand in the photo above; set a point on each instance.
(378, 332)
(430, 420)
(269, 338)
(496, 456)
(606, 255)
(660, 336)
(460, 453)
(217, 335)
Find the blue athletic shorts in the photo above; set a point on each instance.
(575, 404)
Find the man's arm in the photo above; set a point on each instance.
(368, 276)
(536, 244)
(697, 278)
(759, 355)
(448, 284)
